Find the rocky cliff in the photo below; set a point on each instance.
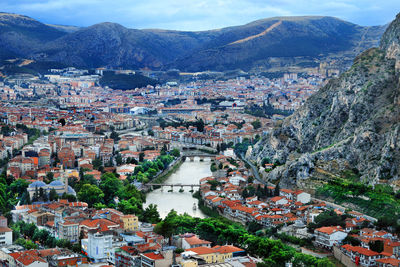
(353, 123)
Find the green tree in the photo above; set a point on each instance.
(175, 152)
(110, 185)
(141, 157)
(91, 194)
(376, 246)
(97, 163)
(114, 135)
(53, 195)
(130, 206)
(256, 124)
(49, 177)
(118, 159)
(276, 190)
(151, 215)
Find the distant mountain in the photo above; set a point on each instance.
(261, 42)
(21, 35)
(110, 44)
(264, 44)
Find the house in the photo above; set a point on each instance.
(209, 255)
(29, 258)
(329, 236)
(278, 200)
(157, 259)
(125, 256)
(192, 241)
(5, 232)
(68, 230)
(228, 251)
(387, 262)
(361, 256)
(301, 196)
(129, 222)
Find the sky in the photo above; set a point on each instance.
(197, 15)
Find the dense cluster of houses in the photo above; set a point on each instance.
(110, 237)
(294, 210)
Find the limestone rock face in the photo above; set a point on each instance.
(351, 123)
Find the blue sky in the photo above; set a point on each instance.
(197, 14)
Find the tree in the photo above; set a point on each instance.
(151, 215)
(97, 163)
(114, 135)
(327, 218)
(130, 206)
(167, 226)
(110, 185)
(256, 124)
(49, 177)
(200, 125)
(265, 161)
(118, 159)
(141, 157)
(175, 152)
(376, 246)
(276, 190)
(53, 195)
(62, 121)
(91, 194)
(250, 180)
(245, 193)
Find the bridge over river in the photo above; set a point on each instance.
(181, 186)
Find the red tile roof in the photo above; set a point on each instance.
(194, 240)
(201, 250)
(154, 256)
(227, 249)
(329, 229)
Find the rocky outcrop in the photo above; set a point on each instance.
(351, 123)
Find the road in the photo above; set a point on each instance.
(255, 173)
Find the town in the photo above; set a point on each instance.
(78, 160)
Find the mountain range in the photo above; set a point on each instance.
(263, 44)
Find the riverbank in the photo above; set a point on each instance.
(165, 174)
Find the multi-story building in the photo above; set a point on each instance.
(329, 236)
(126, 256)
(98, 246)
(67, 157)
(5, 232)
(129, 222)
(68, 230)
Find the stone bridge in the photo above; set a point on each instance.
(181, 186)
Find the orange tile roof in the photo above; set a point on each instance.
(27, 257)
(360, 250)
(194, 240)
(391, 261)
(329, 229)
(227, 249)
(201, 250)
(154, 256)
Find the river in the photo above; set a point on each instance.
(187, 173)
